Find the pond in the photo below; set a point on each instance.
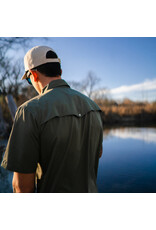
(128, 163)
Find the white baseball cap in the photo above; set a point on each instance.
(36, 56)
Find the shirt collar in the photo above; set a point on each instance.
(54, 84)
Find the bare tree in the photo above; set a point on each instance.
(7, 43)
(9, 77)
(76, 85)
(14, 83)
(101, 93)
(10, 71)
(4, 74)
(88, 85)
(11, 68)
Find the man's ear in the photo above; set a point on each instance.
(35, 75)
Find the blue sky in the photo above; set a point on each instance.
(118, 62)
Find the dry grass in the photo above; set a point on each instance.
(127, 107)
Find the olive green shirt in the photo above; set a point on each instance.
(61, 129)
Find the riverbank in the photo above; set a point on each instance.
(115, 119)
(127, 113)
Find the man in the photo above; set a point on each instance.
(56, 136)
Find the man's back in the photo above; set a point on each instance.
(70, 153)
(65, 138)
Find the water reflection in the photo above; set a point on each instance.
(128, 163)
(144, 134)
(5, 181)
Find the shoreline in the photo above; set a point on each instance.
(114, 119)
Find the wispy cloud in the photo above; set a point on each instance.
(147, 85)
(143, 91)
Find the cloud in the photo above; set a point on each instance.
(147, 85)
(144, 91)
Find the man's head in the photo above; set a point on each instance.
(42, 66)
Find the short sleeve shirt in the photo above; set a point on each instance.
(61, 129)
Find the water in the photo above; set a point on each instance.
(5, 176)
(128, 163)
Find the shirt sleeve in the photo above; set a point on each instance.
(22, 152)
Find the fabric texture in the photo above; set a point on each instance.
(61, 130)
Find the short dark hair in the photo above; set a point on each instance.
(50, 69)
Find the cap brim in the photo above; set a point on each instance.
(24, 76)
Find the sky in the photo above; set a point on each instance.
(126, 66)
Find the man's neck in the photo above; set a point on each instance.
(46, 80)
